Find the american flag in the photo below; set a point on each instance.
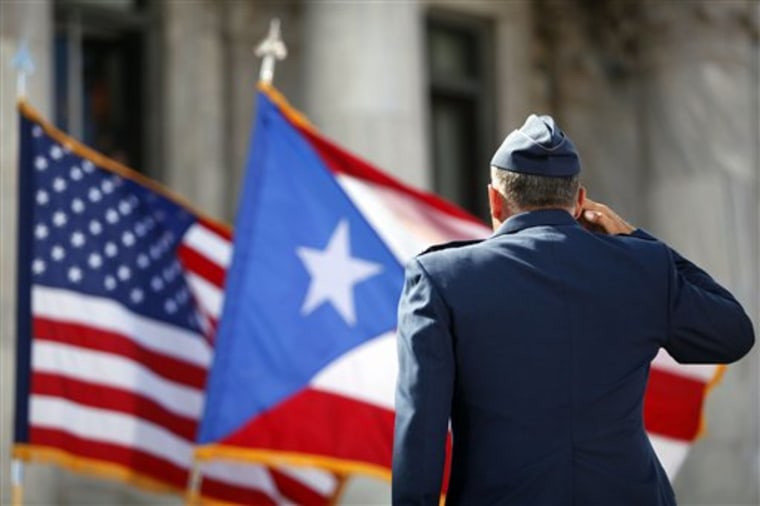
(123, 285)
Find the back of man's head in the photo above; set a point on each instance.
(537, 166)
(525, 192)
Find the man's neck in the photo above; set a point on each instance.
(508, 213)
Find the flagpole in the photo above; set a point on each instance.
(271, 49)
(193, 497)
(340, 489)
(22, 62)
(17, 482)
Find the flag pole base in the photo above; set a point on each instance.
(193, 494)
(17, 482)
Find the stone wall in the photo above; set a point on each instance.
(701, 127)
(663, 102)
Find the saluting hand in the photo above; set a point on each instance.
(600, 218)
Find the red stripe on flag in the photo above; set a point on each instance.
(341, 161)
(114, 399)
(164, 470)
(202, 266)
(144, 463)
(235, 494)
(331, 429)
(223, 231)
(297, 491)
(673, 405)
(100, 340)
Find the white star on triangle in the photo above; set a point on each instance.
(334, 272)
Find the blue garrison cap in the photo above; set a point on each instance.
(539, 147)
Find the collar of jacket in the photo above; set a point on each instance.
(540, 217)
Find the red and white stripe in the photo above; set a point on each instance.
(113, 386)
(674, 406)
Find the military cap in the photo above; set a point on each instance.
(539, 147)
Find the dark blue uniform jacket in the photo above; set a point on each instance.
(536, 344)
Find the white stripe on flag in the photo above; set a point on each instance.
(406, 224)
(115, 371)
(108, 427)
(366, 373)
(242, 475)
(323, 482)
(110, 316)
(209, 244)
(700, 372)
(210, 298)
(671, 452)
(127, 431)
(402, 244)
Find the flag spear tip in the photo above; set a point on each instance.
(24, 65)
(271, 49)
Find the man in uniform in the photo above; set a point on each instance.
(536, 344)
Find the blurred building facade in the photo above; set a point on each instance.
(662, 99)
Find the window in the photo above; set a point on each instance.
(101, 76)
(461, 107)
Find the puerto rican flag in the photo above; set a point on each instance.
(305, 365)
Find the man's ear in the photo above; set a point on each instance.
(579, 201)
(496, 204)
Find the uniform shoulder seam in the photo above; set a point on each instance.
(449, 245)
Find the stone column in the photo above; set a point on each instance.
(364, 81)
(662, 99)
(701, 129)
(194, 106)
(31, 21)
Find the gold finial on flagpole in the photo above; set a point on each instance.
(271, 49)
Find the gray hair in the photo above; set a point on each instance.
(523, 192)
